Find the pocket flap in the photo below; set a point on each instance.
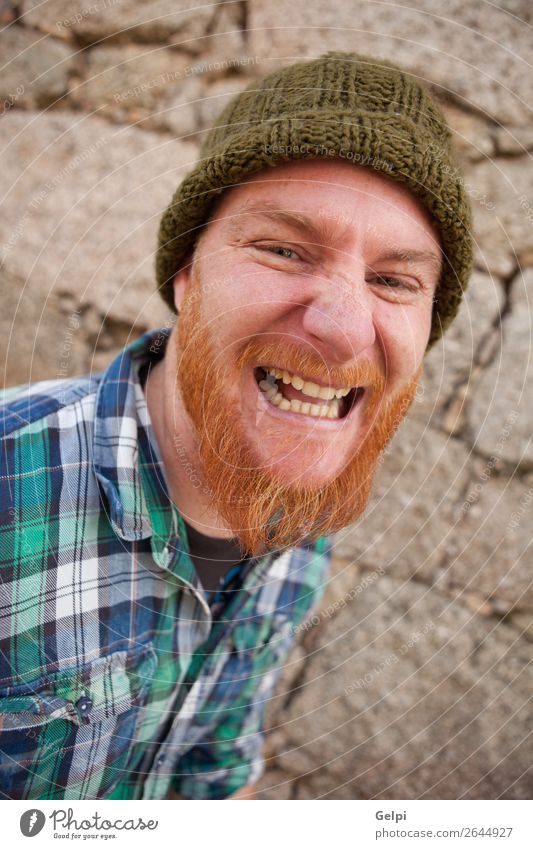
(94, 691)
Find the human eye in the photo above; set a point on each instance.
(395, 286)
(279, 250)
(392, 282)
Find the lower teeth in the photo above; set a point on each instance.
(274, 396)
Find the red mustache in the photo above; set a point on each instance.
(292, 358)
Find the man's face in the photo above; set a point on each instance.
(303, 325)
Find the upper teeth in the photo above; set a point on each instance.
(313, 390)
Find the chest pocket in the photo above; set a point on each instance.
(72, 734)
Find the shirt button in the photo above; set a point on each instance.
(160, 760)
(84, 705)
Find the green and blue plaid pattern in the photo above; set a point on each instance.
(117, 678)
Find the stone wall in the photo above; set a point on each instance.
(411, 680)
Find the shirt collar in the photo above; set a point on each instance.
(122, 430)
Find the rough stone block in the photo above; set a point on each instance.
(82, 211)
(35, 70)
(122, 20)
(407, 696)
(506, 386)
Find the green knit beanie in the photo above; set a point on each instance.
(371, 111)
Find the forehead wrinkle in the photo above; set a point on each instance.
(323, 232)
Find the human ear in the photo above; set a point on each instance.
(180, 283)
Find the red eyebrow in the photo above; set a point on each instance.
(424, 257)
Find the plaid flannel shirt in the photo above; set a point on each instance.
(117, 678)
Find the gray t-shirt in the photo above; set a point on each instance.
(212, 557)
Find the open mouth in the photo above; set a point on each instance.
(292, 393)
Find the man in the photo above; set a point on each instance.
(165, 526)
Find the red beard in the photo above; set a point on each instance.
(264, 510)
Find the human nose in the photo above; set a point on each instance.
(338, 317)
